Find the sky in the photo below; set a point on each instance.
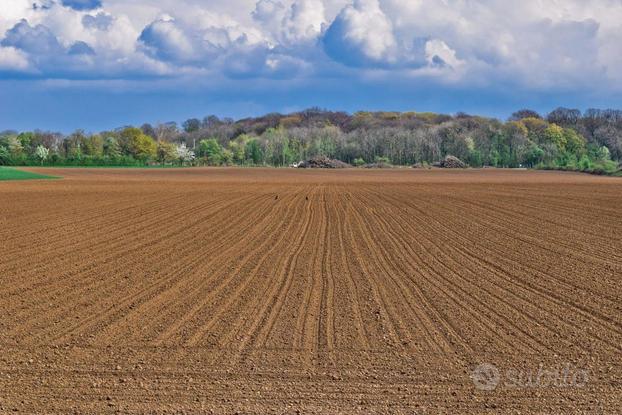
(101, 64)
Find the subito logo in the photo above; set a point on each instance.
(486, 377)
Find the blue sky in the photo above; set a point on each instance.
(97, 64)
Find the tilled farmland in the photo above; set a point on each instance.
(280, 291)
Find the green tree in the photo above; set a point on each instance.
(535, 129)
(238, 151)
(585, 163)
(227, 156)
(278, 152)
(534, 155)
(575, 143)
(138, 144)
(25, 139)
(5, 156)
(211, 151)
(111, 147)
(325, 143)
(500, 155)
(555, 134)
(516, 141)
(16, 148)
(603, 154)
(166, 152)
(93, 146)
(475, 159)
(254, 152)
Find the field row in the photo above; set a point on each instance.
(306, 282)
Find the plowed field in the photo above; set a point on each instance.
(285, 291)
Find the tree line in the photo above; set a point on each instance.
(563, 139)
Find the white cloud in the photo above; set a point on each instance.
(38, 40)
(13, 59)
(165, 40)
(362, 35)
(437, 53)
(553, 44)
(12, 11)
(304, 20)
(299, 22)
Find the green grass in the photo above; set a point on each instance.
(120, 166)
(7, 173)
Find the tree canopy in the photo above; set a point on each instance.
(564, 138)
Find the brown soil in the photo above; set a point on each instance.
(354, 291)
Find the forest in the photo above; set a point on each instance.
(565, 139)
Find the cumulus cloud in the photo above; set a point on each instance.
(37, 40)
(301, 22)
(258, 61)
(100, 21)
(437, 53)
(13, 59)
(165, 40)
(304, 20)
(539, 44)
(362, 35)
(201, 43)
(269, 11)
(81, 48)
